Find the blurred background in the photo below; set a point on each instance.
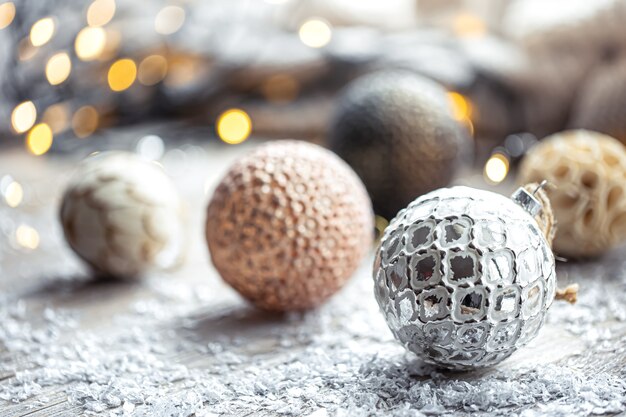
(174, 80)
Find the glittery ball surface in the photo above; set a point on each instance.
(123, 215)
(464, 277)
(288, 225)
(396, 130)
(588, 194)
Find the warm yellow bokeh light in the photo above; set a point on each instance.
(14, 194)
(469, 25)
(56, 116)
(42, 31)
(496, 168)
(23, 116)
(27, 237)
(234, 126)
(122, 74)
(100, 12)
(85, 121)
(152, 70)
(58, 68)
(26, 50)
(169, 20)
(90, 43)
(315, 33)
(461, 107)
(7, 14)
(39, 139)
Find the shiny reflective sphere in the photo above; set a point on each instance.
(464, 277)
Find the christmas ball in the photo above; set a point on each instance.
(464, 277)
(397, 131)
(123, 216)
(601, 104)
(288, 225)
(586, 172)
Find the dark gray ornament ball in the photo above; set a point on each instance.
(397, 131)
(601, 104)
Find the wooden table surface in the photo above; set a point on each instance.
(211, 354)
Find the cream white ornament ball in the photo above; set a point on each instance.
(586, 172)
(464, 277)
(123, 216)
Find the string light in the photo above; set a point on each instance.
(469, 25)
(58, 68)
(85, 121)
(13, 194)
(182, 70)
(122, 74)
(56, 116)
(39, 139)
(23, 116)
(26, 50)
(152, 70)
(315, 33)
(90, 43)
(169, 20)
(42, 31)
(27, 237)
(234, 126)
(7, 14)
(100, 12)
(496, 168)
(461, 108)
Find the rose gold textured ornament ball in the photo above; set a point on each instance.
(288, 225)
(585, 171)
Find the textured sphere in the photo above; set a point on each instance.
(288, 225)
(588, 193)
(601, 103)
(123, 215)
(464, 277)
(397, 132)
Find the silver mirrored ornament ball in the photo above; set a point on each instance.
(464, 277)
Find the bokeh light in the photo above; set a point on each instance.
(461, 107)
(468, 25)
(315, 33)
(85, 121)
(122, 74)
(42, 31)
(152, 70)
(150, 147)
(27, 237)
(234, 126)
(7, 14)
(58, 68)
(496, 168)
(13, 194)
(169, 20)
(100, 12)
(26, 50)
(90, 43)
(57, 117)
(23, 116)
(39, 139)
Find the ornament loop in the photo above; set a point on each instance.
(527, 200)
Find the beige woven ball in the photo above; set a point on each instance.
(586, 172)
(288, 225)
(123, 215)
